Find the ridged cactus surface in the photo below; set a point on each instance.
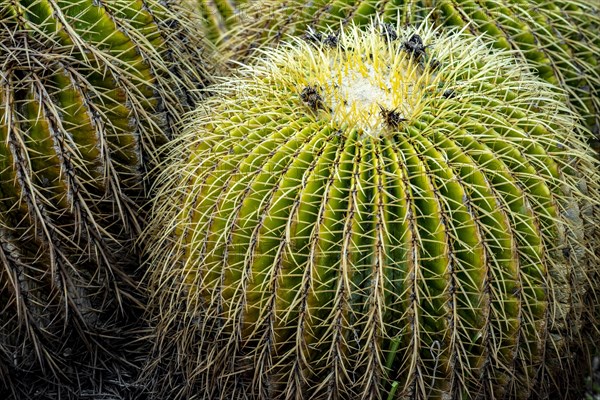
(217, 16)
(88, 90)
(370, 214)
(559, 39)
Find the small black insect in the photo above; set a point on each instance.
(433, 64)
(329, 40)
(310, 95)
(391, 118)
(388, 31)
(313, 36)
(415, 47)
(566, 251)
(332, 40)
(449, 94)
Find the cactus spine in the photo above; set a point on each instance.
(370, 210)
(88, 89)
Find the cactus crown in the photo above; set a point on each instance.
(558, 39)
(357, 89)
(387, 208)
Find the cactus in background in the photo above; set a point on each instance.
(216, 16)
(88, 90)
(370, 214)
(559, 39)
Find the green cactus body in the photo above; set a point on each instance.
(88, 90)
(558, 39)
(217, 16)
(348, 217)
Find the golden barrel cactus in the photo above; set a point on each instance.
(373, 214)
(88, 90)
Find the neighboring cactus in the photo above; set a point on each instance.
(216, 16)
(559, 39)
(372, 210)
(88, 90)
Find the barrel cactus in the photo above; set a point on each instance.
(88, 90)
(217, 16)
(559, 39)
(369, 214)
